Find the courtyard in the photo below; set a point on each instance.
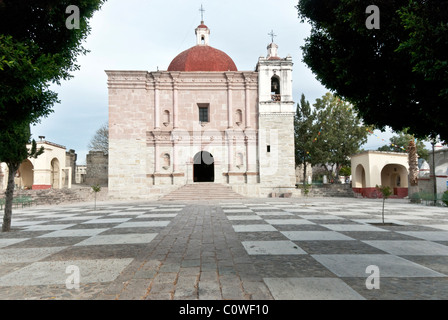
(250, 249)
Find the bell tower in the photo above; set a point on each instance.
(202, 31)
(276, 121)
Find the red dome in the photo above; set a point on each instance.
(202, 58)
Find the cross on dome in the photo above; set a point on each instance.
(272, 34)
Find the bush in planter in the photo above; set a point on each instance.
(415, 198)
(445, 197)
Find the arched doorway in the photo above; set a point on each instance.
(360, 177)
(203, 167)
(55, 173)
(26, 174)
(396, 177)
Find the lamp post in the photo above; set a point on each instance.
(433, 142)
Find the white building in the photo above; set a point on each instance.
(50, 170)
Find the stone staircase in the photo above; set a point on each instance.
(202, 191)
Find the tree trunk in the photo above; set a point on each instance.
(304, 172)
(9, 196)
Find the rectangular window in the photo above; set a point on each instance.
(268, 149)
(203, 112)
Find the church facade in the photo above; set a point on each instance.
(202, 120)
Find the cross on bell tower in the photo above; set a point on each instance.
(202, 10)
(202, 32)
(272, 34)
(272, 47)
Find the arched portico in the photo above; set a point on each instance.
(372, 168)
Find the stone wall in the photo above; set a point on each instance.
(70, 161)
(97, 168)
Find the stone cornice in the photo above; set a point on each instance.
(183, 80)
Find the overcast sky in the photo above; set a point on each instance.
(148, 34)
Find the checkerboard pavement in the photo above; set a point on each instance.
(321, 250)
(316, 248)
(45, 241)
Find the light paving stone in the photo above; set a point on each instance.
(78, 218)
(428, 235)
(132, 238)
(355, 265)
(288, 221)
(112, 220)
(73, 233)
(19, 255)
(409, 247)
(274, 213)
(352, 227)
(320, 217)
(157, 215)
(314, 235)
(237, 211)
(244, 217)
(24, 223)
(254, 228)
(49, 227)
(127, 213)
(438, 226)
(141, 224)
(311, 289)
(55, 272)
(272, 247)
(11, 241)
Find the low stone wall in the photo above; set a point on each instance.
(63, 196)
(331, 190)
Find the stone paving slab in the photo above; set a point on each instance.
(254, 249)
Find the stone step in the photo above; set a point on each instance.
(203, 191)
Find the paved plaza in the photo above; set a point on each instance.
(251, 249)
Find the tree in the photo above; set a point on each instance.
(37, 48)
(341, 134)
(396, 76)
(304, 132)
(100, 141)
(385, 192)
(13, 152)
(413, 164)
(400, 143)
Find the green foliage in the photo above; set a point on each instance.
(385, 191)
(445, 197)
(396, 76)
(345, 171)
(341, 134)
(402, 140)
(36, 49)
(304, 132)
(96, 188)
(13, 151)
